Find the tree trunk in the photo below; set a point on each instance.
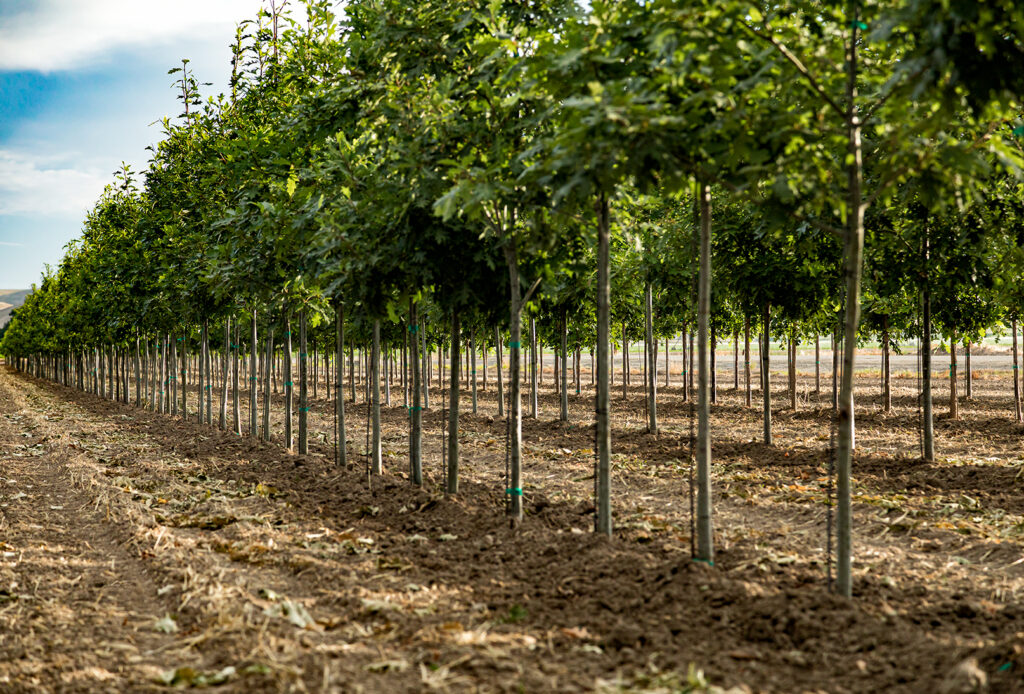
(652, 376)
(268, 362)
(235, 396)
(954, 405)
(138, 373)
(835, 369)
(203, 376)
(686, 370)
(171, 367)
(705, 537)
(352, 374)
(564, 414)
(209, 373)
(253, 357)
(766, 377)
(533, 367)
(853, 256)
(692, 357)
(792, 371)
(289, 387)
(472, 366)
(416, 412)
(515, 482)
(668, 375)
(817, 363)
(928, 435)
(376, 464)
(497, 354)
(453, 412)
(222, 421)
(968, 374)
(425, 373)
(886, 371)
(625, 363)
(746, 360)
(340, 440)
(602, 475)
(736, 360)
(303, 388)
(1017, 415)
(714, 365)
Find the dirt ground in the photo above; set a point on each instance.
(139, 553)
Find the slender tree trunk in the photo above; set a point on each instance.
(405, 370)
(564, 414)
(603, 473)
(497, 354)
(817, 363)
(533, 367)
(203, 376)
(692, 357)
(954, 406)
(138, 374)
(766, 376)
(853, 255)
(172, 365)
(746, 361)
(235, 395)
(303, 387)
(472, 365)
(209, 373)
(183, 377)
(268, 365)
(376, 464)
(352, 374)
(835, 368)
(968, 374)
(714, 365)
(625, 364)
(453, 412)
(223, 419)
(928, 435)
(289, 387)
(387, 376)
(736, 360)
(1017, 415)
(705, 542)
(686, 369)
(425, 373)
(340, 439)
(253, 358)
(886, 371)
(416, 414)
(652, 376)
(792, 371)
(668, 375)
(515, 486)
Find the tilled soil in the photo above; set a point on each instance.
(141, 552)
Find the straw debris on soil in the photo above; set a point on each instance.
(142, 553)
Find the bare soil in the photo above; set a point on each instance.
(140, 552)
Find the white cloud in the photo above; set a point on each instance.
(39, 185)
(70, 34)
(13, 245)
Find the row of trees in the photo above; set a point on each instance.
(565, 162)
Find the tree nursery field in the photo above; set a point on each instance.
(529, 346)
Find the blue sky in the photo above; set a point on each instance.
(83, 86)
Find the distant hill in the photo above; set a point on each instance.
(10, 299)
